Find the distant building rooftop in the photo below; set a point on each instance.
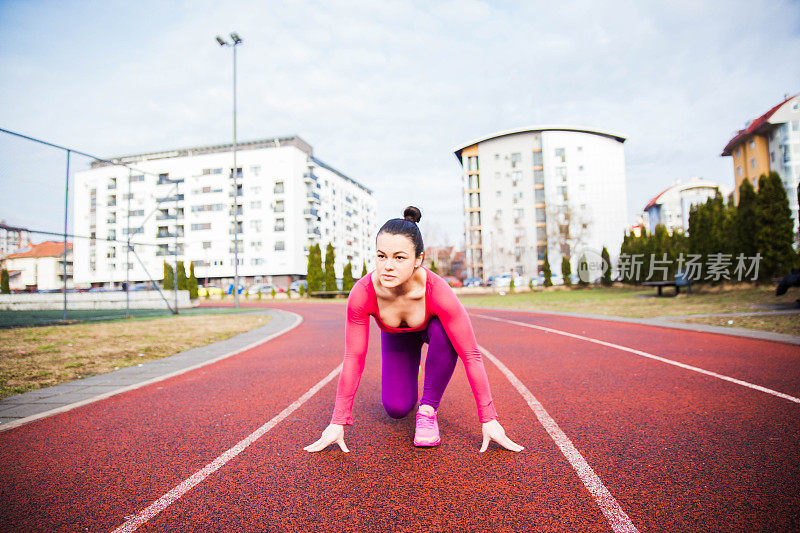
(546, 127)
(294, 140)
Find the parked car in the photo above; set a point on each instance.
(209, 289)
(473, 282)
(295, 286)
(453, 282)
(503, 282)
(229, 289)
(265, 288)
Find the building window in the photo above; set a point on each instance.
(538, 177)
(539, 196)
(136, 178)
(516, 158)
(256, 205)
(561, 156)
(280, 224)
(736, 153)
(772, 157)
(739, 170)
(537, 158)
(255, 225)
(795, 125)
(137, 213)
(752, 143)
(201, 227)
(580, 148)
(279, 245)
(561, 172)
(206, 245)
(255, 169)
(540, 214)
(753, 162)
(279, 206)
(498, 193)
(278, 187)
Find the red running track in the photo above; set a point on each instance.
(673, 449)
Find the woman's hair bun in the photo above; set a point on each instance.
(412, 213)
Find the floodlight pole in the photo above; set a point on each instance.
(128, 253)
(236, 40)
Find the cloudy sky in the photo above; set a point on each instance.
(384, 90)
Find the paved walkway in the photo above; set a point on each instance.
(22, 408)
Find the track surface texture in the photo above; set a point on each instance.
(668, 447)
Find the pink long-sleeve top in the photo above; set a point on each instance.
(441, 301)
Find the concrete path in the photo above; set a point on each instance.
(32, 405)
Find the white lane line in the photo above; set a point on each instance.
(182, 488)
(617, 518)
(649, 355)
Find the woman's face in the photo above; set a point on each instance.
(396, 262)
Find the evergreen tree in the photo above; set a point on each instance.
(745, 221)
(548, 281)
(566, 271)
(583, 271)
(364, 269)
(314, 272)
(4, 289)
(192, 282)
(329, 279)
(182, 281)
(606, 280)
(168, 282)
(774, 227)
(273, 292)
(433, 267)
(347, 277)
(302, 290)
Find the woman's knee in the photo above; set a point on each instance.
(398, 408)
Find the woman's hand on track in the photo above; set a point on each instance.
(333, 433)
(492, 430)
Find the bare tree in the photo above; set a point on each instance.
(567, 227)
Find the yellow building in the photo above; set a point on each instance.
(768, 143)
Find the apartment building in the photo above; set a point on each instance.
(671, 207)
(770, 142)
(545, 189)
(285, 200)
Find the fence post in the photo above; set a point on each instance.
(66, 213)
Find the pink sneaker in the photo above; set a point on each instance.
(427, 430)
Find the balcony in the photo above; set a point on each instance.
(166, 217)
(310, 213)
(314, 233)
(178, 197)
(312, 196)
(166, 235)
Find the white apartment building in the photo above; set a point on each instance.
(554, 189)
(12, 239)
(671, 207)
(286, 201)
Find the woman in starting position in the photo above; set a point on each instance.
(411, 305)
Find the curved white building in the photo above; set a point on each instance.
(559, 189)
(671, 207)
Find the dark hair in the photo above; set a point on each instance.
(406, 226)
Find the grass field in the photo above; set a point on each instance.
(643, 303)
(35, 357)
